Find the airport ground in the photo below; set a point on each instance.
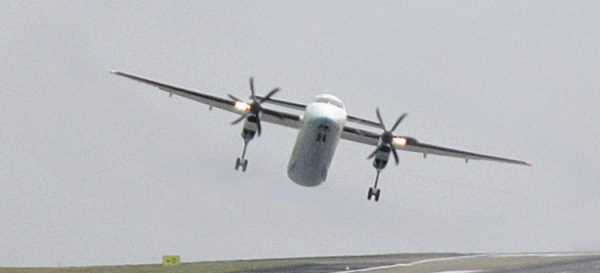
(394, 263)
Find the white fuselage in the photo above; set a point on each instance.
(323, 122)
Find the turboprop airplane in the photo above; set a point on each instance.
(321, 124)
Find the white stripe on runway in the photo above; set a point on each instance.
(499, 255)
(460, 271)
(412, 263)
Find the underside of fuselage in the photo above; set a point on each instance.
(316, 142)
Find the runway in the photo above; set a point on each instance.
(394, 263)
(588, 265)
(453, 263)
(354, 263)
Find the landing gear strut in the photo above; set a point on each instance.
(241, 161)
(382, 156)
(374, 191)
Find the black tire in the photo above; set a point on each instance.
(237, 163)
(244, 165)
(377, 195)
(370, 193)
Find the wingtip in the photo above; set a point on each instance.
(113, 71)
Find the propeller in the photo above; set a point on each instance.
(254, 105)
(386, 138)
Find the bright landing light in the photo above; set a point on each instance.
(242, 106)
(399, 141)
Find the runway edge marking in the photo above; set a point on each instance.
(413, 263)
(499, 255)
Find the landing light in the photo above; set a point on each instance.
(399, 141)
(242, 106)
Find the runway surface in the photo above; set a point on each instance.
(452, 263)
(353, 263)
(395, 263)
(589, 265)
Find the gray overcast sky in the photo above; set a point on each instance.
(99, 170)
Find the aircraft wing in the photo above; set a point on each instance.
(268, 115)
(410, 144)
(295, 121)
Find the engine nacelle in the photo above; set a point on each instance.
(250, 128)
(382, 157)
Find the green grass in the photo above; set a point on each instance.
(200, 267)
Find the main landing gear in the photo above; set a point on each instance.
(382, 152)
(250, 114)
(241, 162)
(374, 191)
(382, 156)
(247, 134)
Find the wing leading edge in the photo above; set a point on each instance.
(410, 144)
(268, 115)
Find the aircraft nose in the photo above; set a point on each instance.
(326, 121)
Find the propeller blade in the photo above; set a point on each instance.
(373, 153)
(398, 122)
(239, 119)
(380, 119)
(252, 87)
(270, 94)
(234, 98)
(395, 155)
(258, 126)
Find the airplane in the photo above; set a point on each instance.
(321, 125)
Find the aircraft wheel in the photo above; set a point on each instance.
(377, 193)
(237, 163)
(370, 193)
(244, 165)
